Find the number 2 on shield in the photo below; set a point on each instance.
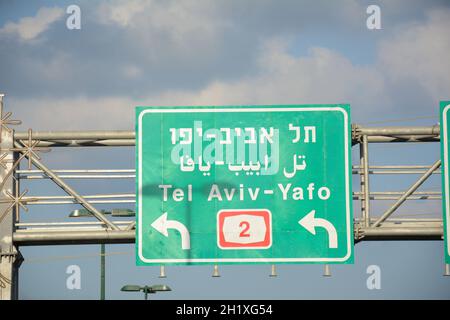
(246, 227)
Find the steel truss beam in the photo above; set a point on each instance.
(105, 231)
(63, 185)
(407, 193)
(404, 230)
(127, 138)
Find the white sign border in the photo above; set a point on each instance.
(446, 175)
(256, 109)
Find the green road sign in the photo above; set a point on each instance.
(445, 106)
(247, 184)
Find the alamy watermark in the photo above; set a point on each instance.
(373, 21)
(73, 281)
(373, 282)
(73, 21)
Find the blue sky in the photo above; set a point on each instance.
(137, 52)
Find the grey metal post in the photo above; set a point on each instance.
(327, 271)
(78, 135)
(216, 273)
(73, 237)
(399, 131)
(273, 271)
(10, 258)
(364, 178)
(162, 271)
(102, 271)
(412, 230)
(146, 289)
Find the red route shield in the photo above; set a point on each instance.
(244, 229)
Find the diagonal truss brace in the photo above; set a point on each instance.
(407, 193)
(131, 226)
(63, 185)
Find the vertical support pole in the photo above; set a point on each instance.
(102, 271)
(447, 270)
(146, 292)
(327, 271)
(162, 271)
(216, 273)
(365, 191)
(10, 258)
(273, 271)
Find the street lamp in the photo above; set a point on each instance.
(123, 213)
(146, 289)
(83, 213)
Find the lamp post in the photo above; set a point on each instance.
(145, 289)
(83, 213)
(102, 271)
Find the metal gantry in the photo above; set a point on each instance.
(16, 147)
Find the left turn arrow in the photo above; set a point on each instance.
(161, 225)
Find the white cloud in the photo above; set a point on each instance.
(324, 76)
(415, 53)
(132, 71)
(121, 13)
(29, 28)
(419, 53)
(74, 113)
(175, 44)
(180, 21)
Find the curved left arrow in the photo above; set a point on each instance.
(310, 223)
(161, 225)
